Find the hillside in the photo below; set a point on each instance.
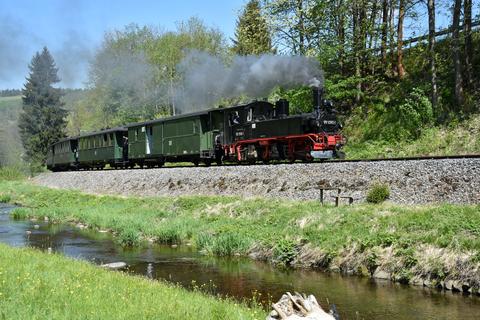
(10, 145)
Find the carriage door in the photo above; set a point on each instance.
(148, 139)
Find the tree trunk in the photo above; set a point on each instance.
(431, 50)
(363, 23)
(392, 38)
(373, 35)
(301, 27)
(356, 48)
(341, 36)
(456, 54)
(468, 42)
(401, 17)
(384, 33)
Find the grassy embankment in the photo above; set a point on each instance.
(35, 285)
(436, 141)
(409, 243)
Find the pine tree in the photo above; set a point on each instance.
(252, 35)
(42, 121)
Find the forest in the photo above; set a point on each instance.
(398, 92)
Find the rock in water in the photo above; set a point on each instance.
(114, 265)
(298, 307)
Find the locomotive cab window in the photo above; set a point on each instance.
(250, 115)
(234, 118)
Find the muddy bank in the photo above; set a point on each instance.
(411, 182)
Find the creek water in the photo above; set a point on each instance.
(240, 278)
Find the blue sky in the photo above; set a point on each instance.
(73, 29)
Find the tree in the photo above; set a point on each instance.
(456, 53)
(42, 121)
(401, 17)
(384, 33)
(252, 35)
(294, 23)
(468, 42)
(431, 51)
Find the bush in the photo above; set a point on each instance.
(378, 193)
(284, 251)
(415, 113)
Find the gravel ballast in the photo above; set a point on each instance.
(411, 182)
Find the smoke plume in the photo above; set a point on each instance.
(206, 79)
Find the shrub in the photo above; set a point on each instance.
(284, 251)
(378, 193)
(415, 113)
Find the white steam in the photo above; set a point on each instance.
(206, 79)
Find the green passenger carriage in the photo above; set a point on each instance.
(63, 155)
(180, 138)
(100, 148)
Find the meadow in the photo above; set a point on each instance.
(36, 285)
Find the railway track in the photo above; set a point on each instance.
(464, 156)
(415, 158)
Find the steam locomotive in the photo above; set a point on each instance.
(248, 133)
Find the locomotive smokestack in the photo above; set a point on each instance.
(317, 97)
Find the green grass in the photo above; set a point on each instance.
(11, 173)
(11, 102)
(36, 285)
(437, 141)
(278, 228)
(235, 224)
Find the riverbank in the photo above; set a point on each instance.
(36, 285)
(431, 245)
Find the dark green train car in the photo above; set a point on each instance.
(100, 148)
(175, 139)
(63, 155)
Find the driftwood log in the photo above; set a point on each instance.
(299, 307)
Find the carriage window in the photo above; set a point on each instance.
(111, 139)
(105, 139)
(136, 134)
(150, 131)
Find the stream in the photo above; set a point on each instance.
(241, 278)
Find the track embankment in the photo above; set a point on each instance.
(410, 181)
